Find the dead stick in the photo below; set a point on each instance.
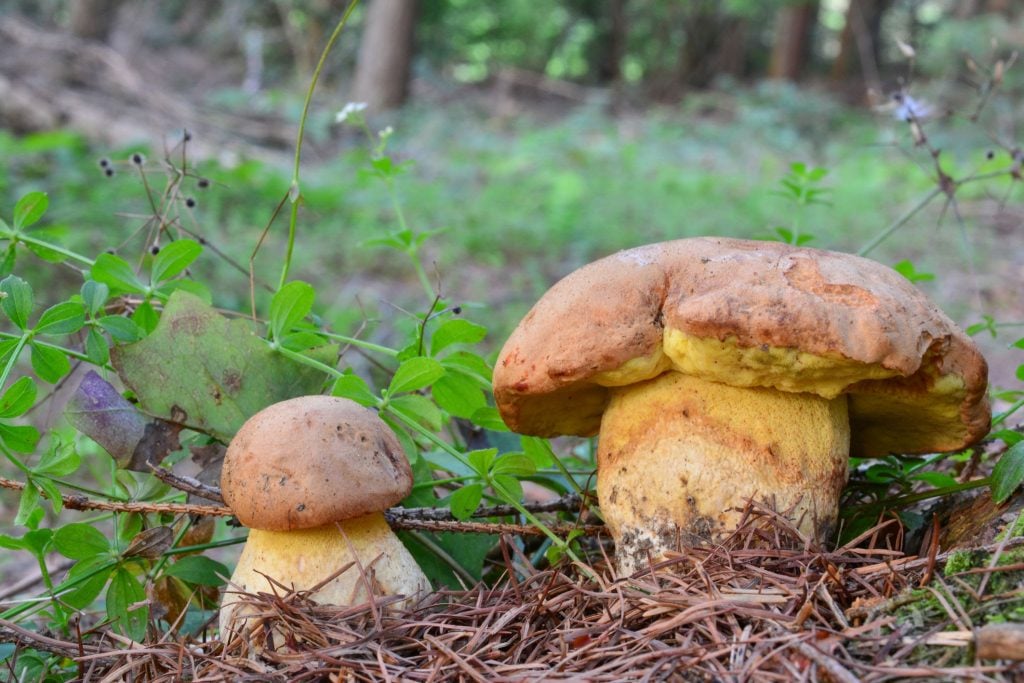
(398, 518)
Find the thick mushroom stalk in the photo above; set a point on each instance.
(679, 457)
(377, 564)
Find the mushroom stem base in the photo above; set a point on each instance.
(302, 559)
(679, 458)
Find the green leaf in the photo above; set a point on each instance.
(290, 304)
(27, 504)
(20, 438)
(59, 461)
(208, 372)
(1008, 473)
(1008, 436)
(515, 464)
(117, 274)
(85, 581)
(459, 395)
(468, 550)
(408, 445)
(49, 363)
(481, 460)
(538, 450)
(125, 604)
(934, 479)
(457, 331)
(80, 541)
(488, 417)
(467, 362)
(9, 260)
(145, 316)
(18, 398)
(52, 493)
(174, 258)
(907, 270)
(415, 373)
(12, 543)
(464, 501)
(169, 287)
(418, 409)
(199, 570)
(120, 329)
(30, 209)
(302, 341)
(37, 541)
(17, 300)
(94, 296)
(508, 487)
(63, 318)
(96, 347)
(354, 388)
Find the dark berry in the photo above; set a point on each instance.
(137, 159)
(203, 183)
(109, 172)
(190, 203)
(155, 249)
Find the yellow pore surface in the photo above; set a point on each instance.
(725, 361)
(303, 558)
(676, 452)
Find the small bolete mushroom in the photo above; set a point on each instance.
(722, 370)
(311, 477)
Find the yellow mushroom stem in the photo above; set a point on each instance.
(302, 559)
(679, 457)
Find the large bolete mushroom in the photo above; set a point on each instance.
(310, 477)
(722, 370)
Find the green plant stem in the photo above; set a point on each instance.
(294, 193)
(1001, 417)
(899, 222)
(26, 239)
(441, 482)
(56, 347)
(204, 546)
(413, 250)
(306, 360)
(18, 348)
(359, 343)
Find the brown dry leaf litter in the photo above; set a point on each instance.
(735, 612)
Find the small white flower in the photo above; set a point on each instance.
(348, 110)
(386, 133)
(908, 109)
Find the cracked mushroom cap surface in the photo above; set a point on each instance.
(310, 461)
(749, 314)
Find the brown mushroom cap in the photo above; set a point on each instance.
(310, 461)
(747, 313)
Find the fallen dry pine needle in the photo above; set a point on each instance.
(733, 612)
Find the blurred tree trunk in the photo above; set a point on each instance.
(794, 32)
(608, 49)
(858, 43)
(703, 36)
(732, 52)
(93, 19)
(385, 54)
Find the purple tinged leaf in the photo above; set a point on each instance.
(99, 411)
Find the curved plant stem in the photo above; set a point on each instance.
(294, 192)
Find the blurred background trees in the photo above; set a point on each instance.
(637, 52)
